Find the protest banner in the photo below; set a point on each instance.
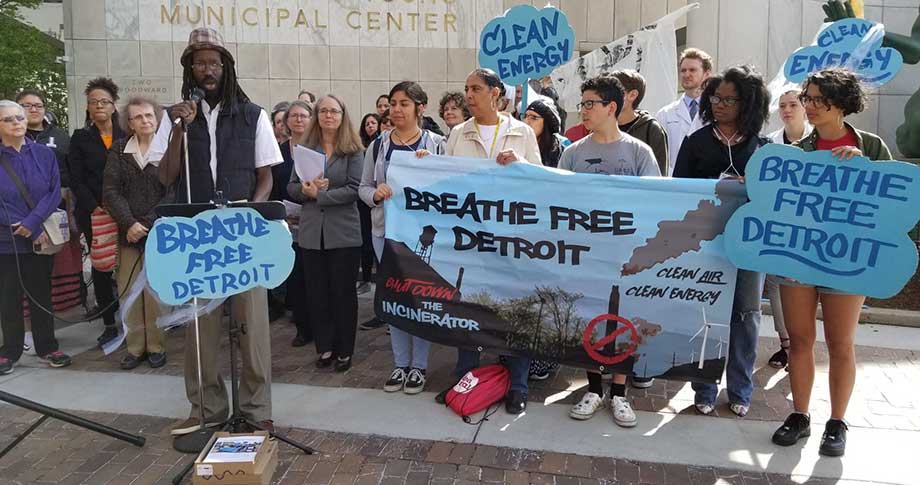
(526, 43)
(824, 222)
(589, 270)
(218, 253)
(649, 51)
(852, 43)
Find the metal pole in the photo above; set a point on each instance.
(188, 199)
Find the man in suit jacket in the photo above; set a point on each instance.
(682, 117)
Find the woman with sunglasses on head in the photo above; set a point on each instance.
(296, 119)
(330, 234)
(407, 105)
(735, 106)
(829, 96)
(89, 148)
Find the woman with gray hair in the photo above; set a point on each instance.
(131, 189)
(30, 191)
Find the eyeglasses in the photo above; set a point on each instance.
(814, 100)
(207, 66)
(301, 116)
(12, 118)
(100, 102)
(143, 116)
(728, 100)
(31, 106)
(589, 104)
(330, 111)
(533, 117)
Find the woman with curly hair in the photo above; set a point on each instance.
(452, 109)
(828, 96)
(89, 148)
(735, 107)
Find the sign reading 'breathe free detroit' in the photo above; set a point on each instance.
(216, 254)
(827, 222)
(846, 43)
(526, 43)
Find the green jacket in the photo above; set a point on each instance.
(872, 146)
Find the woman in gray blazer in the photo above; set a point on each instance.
(330, 232)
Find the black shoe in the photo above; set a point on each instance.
(415, 381)
(132, 361)
(396, 381)
(156, 359)
(516, 402)
(324, 362)
(441, 397)
(796, 426)
(342, 364)
(780, 359)
(109, 333)
(300, 341)
(6, 366)
(372, 324)
(834, 441)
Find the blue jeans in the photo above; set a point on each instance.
(468, 360)
(409, 350)
(742, 343)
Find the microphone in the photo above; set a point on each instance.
(196, 95)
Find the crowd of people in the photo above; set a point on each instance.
(125, 159)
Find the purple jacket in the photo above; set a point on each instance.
(37, 168)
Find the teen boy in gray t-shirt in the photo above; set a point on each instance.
(624, 156)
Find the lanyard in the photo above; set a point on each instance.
(494, 137)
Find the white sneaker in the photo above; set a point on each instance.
(705, 409)
(586, 408)
(28, 344)
(623, 414)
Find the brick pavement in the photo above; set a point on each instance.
(60, 453)
(884, 396)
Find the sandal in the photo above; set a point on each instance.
(586, 408)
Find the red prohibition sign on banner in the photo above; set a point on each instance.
(593, 349)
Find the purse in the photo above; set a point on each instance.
(56, 226)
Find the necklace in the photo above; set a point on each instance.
(399, 139)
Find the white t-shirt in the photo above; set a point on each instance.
(488, 133)
(267, 152)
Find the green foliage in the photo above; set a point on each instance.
(28, 59)
(10, 8)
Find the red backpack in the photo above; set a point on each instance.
(478, 389)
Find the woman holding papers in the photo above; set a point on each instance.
(828, 97)
(296, 119)
(330, 233)
(407, 103)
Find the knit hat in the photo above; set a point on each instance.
(204, 38)
(546, 108)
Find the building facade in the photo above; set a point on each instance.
(359, 48)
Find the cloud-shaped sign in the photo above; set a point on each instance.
(840, 44)
(216, 254)
(526, 43)
(826, 222)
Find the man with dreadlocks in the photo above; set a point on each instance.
(231, 148)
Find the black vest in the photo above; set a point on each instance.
(236, 154)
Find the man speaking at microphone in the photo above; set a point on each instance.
(231, 148)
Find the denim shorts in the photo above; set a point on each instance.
(783, 281)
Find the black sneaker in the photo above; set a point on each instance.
(6, 366)
(396, 381)
(515, 402)
(834, 441)
(780, 359)
(372, 324)
(57, 359)
(131, 361)
(441, 397)
(156, 359)
(415, 382)
(109, 333)
(796, 426)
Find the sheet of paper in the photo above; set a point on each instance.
(291, 209)
(309, 164)
(234, 449)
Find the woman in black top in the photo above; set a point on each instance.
(89, 148)
(735, 106)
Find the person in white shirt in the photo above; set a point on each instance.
(682, 117)
(231, 149)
